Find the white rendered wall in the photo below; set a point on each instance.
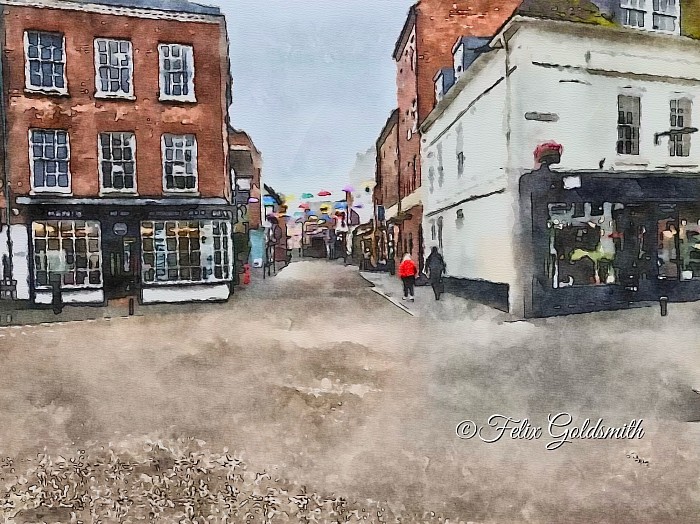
(71, 296)
(20, 259)
(480, 245)
(580, 83)
(194, 293)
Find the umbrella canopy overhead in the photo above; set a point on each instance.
(348, 189)
(253, 200)
(324, 193)
(304, 205)
(307, 195)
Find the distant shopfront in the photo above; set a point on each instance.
(155, 253)
(610, 240)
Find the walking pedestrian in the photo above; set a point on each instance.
(407, 273)
(436, 267)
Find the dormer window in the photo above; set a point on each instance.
(665, 15)
(658, 15)
(459, 60)
(444, 80)
(633, 12)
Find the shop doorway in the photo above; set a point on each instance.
(121, 271)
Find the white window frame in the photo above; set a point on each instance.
(189, 56)
(72, 237)
(99, 92)
(195, 171)
(682, 108)
(28, 86)
(621, 126)
(161, 259)
(671, 12)
(101, 159)
(52, 189)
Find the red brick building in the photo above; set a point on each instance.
(115, 126)
(423, 48)
(246, 166)
(386, 190)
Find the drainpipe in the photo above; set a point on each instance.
(3, 117)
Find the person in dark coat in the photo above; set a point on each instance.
(436, 267)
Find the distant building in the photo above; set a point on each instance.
(115, 132)
(246, 178)
(562, 179)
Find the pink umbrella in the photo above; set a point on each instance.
(324, 193)
(348, 189)
(304, 206)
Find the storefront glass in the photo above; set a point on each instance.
(67, 251)
(584, 242)
(184, 251)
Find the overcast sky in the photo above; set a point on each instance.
(314, 82)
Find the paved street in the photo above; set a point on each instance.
(314, 376)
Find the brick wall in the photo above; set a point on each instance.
(85, 116)
(387, 191)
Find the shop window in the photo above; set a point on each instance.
(584, 249)
(176, 72)
(117, 156)
(46, 62)
(67, 251)
(180, 251)
(689, 243)
(179, 163)
(679, 144)
(431, 178)
(628, 122)
(439, 232)
(441, 167)
(49, 150)
(114, 68)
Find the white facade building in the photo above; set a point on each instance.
(620, 102)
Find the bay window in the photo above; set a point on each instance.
(67, 251)
(186, 251)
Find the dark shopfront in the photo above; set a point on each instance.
(148, 250)
(609, 240)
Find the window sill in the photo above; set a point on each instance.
(114, 96)
(176, 99)
(168, 283)
(62, 93)
(171, 193)
(49, 192)
(117, 193)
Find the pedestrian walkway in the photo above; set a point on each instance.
(449, 307)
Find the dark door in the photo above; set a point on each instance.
(122, 268)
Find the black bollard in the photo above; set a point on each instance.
(663, 302)
(131, 306)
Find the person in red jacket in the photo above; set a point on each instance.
(407, 273)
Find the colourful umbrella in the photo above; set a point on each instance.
(358, 206)
(307, 195)
(324, 193)
(303, 205)
(348, 189)
(253, 200)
